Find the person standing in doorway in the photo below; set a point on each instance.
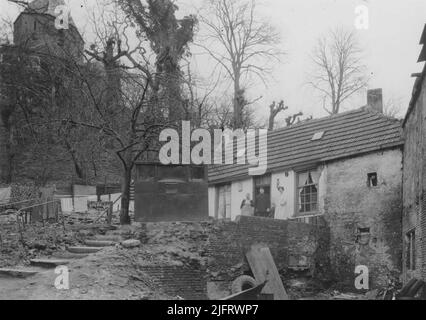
(281, 205)
(262, 204)
(247, 208)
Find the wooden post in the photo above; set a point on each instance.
(72, 192)
(109, 215)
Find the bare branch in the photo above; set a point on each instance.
(339, 72)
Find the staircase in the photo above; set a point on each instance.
(92, 245)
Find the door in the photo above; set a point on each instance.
(224, 203)
(264, 183)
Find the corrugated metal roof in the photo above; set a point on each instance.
(346, 135)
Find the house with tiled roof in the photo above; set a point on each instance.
(343, 171)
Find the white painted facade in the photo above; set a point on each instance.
(287, 179)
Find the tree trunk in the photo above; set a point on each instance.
(5, 155)
(125, 198)
(237, 106)
(271, 121)
(113, 78)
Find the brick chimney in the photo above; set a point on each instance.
(375, 100)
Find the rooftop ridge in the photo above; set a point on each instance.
(364, 109)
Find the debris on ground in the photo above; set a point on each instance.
(120, 257)
(131, 243)
(113, 272)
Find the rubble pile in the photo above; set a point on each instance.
(43, 240)
(178, 244)
(37, 240)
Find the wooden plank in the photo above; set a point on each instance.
(247, 295)
(264, 269)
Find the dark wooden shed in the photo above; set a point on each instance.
(170, 193)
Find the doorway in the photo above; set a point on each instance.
(263, 182)
(224, 202)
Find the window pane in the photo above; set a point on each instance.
(308, 207)
(315, 176)
(303, 177)
(308, 192)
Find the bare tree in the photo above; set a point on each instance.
(290, 120)
(275, 109)
(222, 117)
(246, 45)
(339, 71)
(393, 108)
(199, 107)
(6, 30)
(130, 133)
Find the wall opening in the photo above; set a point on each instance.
(411, 250)
(372, 179)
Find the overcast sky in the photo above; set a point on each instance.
(391, 45)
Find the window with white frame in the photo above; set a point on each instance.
(307, 192)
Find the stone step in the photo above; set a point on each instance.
(107, 238)
(69, 255)
(49, 263)
(99, 243)
(17, 273)
(83, 249)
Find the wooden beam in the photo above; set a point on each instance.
(264, 269)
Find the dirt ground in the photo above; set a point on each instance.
(113, 273)
(109, 274)
(117, 272)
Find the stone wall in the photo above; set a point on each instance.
(43, 158)
(365, 221)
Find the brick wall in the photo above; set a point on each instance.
(351, 207)
(291, 244)
(414, 179)
(187, 283)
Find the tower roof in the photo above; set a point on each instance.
(47, 7)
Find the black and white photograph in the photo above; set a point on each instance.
(212, 154)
